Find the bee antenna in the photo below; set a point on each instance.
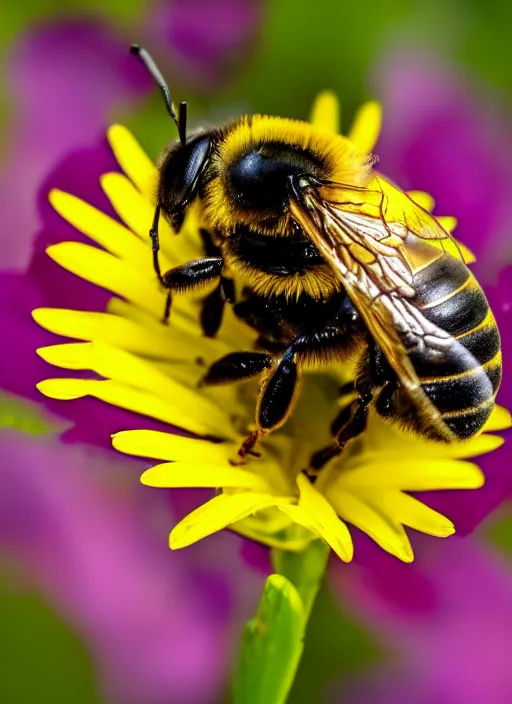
(149, 63)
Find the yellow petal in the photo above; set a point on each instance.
(205, 476)
(329, 526)
(500, 419)
(423, 199)
(365, 129)
(448, 222)
(218, 513)
(184, 315)
(164, 342)
(467, 254)
(132, 206)
(133, 160)
(167, 446)
(413, 513)
(413, 474)
(137, 212)
(105, 270)
(131, 399)
(390, 536)
(430, 451)
(326, 112)
(108, 233)
(130, 370)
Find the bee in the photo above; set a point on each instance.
(328, 261)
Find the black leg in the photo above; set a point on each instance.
(227, 287)
(192, 275)
(188, 277)
(167, 310)
(236, 366)
(212, 308)
(275, 401)
(349, 424)
(155, 243)
(351, 421)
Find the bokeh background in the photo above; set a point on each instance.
(94, 609)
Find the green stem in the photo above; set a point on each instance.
(305, 570)
(273, 641)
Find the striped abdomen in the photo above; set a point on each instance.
(463, 384)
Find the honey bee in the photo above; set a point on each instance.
(328, 261)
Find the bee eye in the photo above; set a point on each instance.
(181, 172)
(261, 180)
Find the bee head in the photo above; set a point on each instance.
(183, 162)
(180, 170)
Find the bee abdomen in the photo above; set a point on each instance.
(462, 382)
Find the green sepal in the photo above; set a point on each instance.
(272, 645)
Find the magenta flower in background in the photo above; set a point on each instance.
(157, 623)
(208, 39)
(449, 628)
(66, 81)
(442, 134)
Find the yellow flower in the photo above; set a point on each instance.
(153, 369)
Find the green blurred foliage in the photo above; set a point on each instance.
(42, 661)
(22, 415)
(499, 533)
(19, 15)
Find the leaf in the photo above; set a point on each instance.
(272, 645)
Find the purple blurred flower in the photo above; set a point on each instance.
(442, 135)
(209, 38)
(450, 639)
(66, 81)
(155, 621)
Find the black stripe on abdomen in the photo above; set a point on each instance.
(461, 382)
(448, 295)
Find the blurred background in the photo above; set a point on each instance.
(94, 609)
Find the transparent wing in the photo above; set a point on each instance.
(369, 255)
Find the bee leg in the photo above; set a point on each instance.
(351, 420)
(155, 243)
(213, 306)
(237, 366)
(190, 276)
(350, 423)
(275, 401)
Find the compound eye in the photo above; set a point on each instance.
(180, 174)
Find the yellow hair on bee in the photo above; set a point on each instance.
(337, 158)
(320, 283)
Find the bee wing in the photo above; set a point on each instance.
(370, 262)
(397, 212)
